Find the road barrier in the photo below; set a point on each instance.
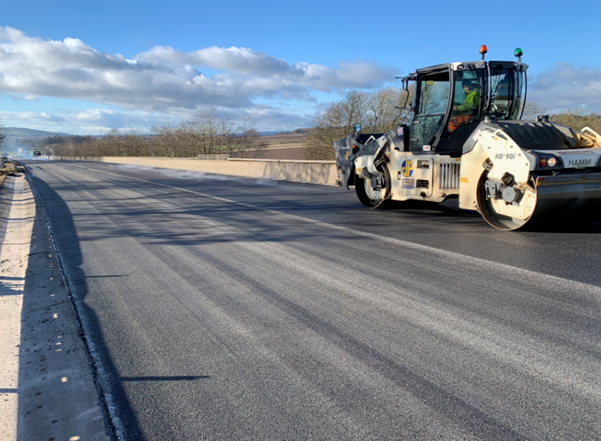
(316, 172)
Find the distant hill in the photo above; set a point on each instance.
(19, 132)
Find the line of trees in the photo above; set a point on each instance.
(209, 132)
(577, 120)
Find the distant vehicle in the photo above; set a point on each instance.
(37, 152)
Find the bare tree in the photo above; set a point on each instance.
(111, 143)
(208, 131)
(245, 141)
(163, 142)
(532, 109)
(376, 112)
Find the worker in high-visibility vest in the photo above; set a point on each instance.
(468, 108)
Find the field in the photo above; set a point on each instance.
(284, 138)
(283, 146)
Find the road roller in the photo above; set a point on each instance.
(466, 139)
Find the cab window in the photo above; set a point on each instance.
(432, 104)
(468, 99)
(506, 87)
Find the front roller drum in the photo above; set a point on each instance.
(370, 196)
(572, 199)
(503, 215)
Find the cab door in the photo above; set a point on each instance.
(431, 109)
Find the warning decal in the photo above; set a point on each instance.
(408, 184)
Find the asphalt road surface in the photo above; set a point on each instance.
(233, 309)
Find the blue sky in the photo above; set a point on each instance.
(82, 67)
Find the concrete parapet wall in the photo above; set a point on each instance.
(317, 172)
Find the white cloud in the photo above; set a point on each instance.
(96, 121)
(233, 59)
(33, 117)
(88, 121)
(163, 79)
(565, 86)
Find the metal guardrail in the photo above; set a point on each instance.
(213, 157)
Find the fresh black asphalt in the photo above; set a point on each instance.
(236, 309)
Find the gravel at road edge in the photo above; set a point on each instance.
(57, 398)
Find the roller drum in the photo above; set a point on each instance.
(561, 197)
(557, 198)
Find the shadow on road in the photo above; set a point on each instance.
(70, 257)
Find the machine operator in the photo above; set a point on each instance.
(468, 108)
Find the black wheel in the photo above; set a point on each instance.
(374, 197)
(500, 214)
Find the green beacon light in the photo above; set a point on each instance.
(518, 53)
